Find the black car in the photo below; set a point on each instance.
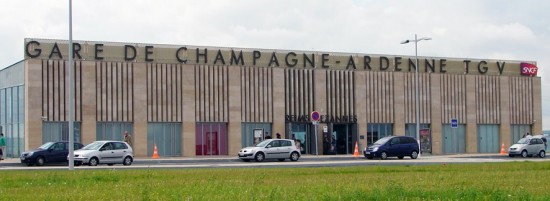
(50, 152)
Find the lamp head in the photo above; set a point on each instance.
(405, 41)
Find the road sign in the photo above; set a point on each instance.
(315, 116)
(454, 123)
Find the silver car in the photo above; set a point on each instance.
(104, 152)
(530, 146)
(280, 149)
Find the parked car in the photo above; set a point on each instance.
(399, 146)
(529, 146)
(280, 149)
(49, 152)
(104, 152)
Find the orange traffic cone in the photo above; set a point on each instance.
(155, 152)
(502, 151)
(356, 152)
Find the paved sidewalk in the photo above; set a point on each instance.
(220, 159)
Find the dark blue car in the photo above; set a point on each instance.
(50, 152)
(399, 146)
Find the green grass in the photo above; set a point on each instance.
(494, 181)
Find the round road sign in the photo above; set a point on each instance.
(315, 116)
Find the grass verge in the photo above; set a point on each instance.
(492, 181)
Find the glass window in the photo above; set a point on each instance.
(378, 131)
(275, 143)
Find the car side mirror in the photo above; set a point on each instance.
(268, 146)
(102, 149)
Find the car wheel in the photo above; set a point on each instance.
(414, 155)
(281, 159)
(400, 157)
(294, 156)
(246, 160)
(383, 155)
(29, 164)
(369, 157)
(93, 161)
(40, 161)
(259, 157)
(127, 161)
(524, 154)
(542, 154)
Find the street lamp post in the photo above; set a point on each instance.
(417, 105)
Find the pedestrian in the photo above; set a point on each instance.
(528, 135)
(2, 146)
(278, 136)
(524, 135)
(267, 136)
(128, 138)
(543, 138)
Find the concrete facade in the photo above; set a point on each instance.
(279, 87)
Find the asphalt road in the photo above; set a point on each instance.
(305, 161)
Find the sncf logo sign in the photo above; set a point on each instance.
(528, 69)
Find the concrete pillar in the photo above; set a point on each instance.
(235, 106)
(504, 130)
(140, 109)
(188, 114)
(471, 115)
(33, 107)
(436, 121)
(89, 109)
(399, 104)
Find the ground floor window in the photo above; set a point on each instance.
(211, 139)
(253, 133)
(167, 137)
(15, 139)
(113, 130)
(377, 131)
(303, 136)
(488, 138)
(454, 139)
(518, 130)
(342, 140)
(59, 131)
(425, 136)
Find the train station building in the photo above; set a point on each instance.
(206, 101)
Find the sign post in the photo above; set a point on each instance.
(315, 120)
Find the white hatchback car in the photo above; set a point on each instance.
(280, 149)
(530, 146)
(104, 152)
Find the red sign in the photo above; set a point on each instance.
(528, 69)
(315, 116)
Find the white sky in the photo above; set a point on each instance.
(492, 29)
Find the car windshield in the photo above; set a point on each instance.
(262, 143)
(523, 141)
(47, 145)
(93, 146)
(382, 141)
